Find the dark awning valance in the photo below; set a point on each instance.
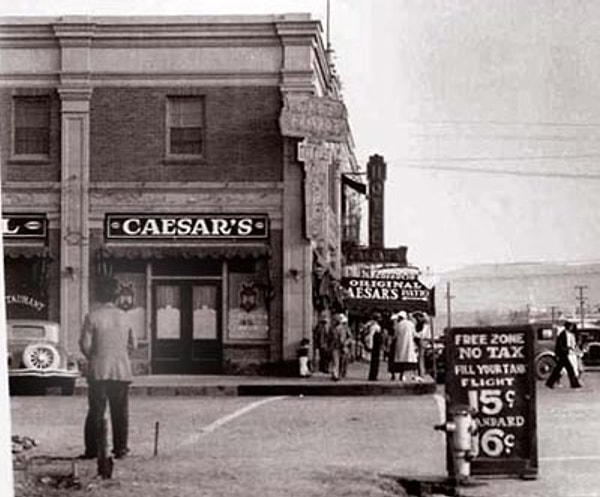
(26, 251)
(184, 251)
(367, 308)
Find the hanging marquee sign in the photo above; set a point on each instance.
(307, 116)
(186, 226)
(385, 289)
(377, 255)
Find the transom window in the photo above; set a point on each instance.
(31, 125)
(185, 123)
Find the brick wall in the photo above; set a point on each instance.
(242, 140)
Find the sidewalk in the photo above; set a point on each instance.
(319, 384)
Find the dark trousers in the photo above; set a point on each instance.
(563, 362)
(117, 395)
(374, 364)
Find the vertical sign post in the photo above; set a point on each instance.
(491, 370)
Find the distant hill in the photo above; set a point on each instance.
(503, 293)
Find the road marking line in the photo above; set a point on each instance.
(229, 417)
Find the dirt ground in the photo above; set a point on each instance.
(276, 450)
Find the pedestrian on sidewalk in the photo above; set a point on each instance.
(566, 344)
(303, 351)
(373, 342)
(422, 331)
(339, 343)
(320, 345)
(403, 353)
(106, 341)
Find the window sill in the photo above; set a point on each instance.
(184, 160)
(29, 159)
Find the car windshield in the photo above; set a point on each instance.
(26, 332)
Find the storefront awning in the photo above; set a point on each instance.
(26, 251)
(231, 251)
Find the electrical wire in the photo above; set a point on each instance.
(511, 172)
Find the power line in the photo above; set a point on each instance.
(529, 137)
(554, 124)
(514, 158)
(510, 172)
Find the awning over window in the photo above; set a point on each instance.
(26, 251)
(184, 251)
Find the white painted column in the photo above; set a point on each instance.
(74, 34)
(74, 246)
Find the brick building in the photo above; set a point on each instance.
(198, 159)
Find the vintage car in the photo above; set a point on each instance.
(544, 358)
(36, 361)
(589, 342)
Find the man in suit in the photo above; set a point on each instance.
(565, 344)
(106, 341)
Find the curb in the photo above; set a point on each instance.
(261, 389)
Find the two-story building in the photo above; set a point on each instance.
(197, 159)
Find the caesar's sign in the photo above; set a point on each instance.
(386, 290)
(186, 226)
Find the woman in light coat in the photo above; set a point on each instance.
(403, 353)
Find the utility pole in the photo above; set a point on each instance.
(581, 298)
(553, 316)
(449, 297)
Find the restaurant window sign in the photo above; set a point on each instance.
(490, 369)
(186, 226)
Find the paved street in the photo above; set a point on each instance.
(308, 446)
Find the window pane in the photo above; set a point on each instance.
(168, 319)
(186, 141)
(32, 125)
(204, 299)
(186, 123)
(31, 141)
(186, 111)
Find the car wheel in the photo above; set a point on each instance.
(41, 356)
(544, 366)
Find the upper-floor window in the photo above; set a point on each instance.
(185, 126)
(31, 117)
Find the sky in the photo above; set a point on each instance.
(487, 113)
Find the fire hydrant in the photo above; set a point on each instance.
(461, 430)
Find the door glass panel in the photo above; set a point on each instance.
(168, 313)
(204, 302)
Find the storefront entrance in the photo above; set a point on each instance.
(186, 331)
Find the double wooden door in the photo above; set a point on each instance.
(186, 331)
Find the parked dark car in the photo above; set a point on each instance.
(36, 361)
